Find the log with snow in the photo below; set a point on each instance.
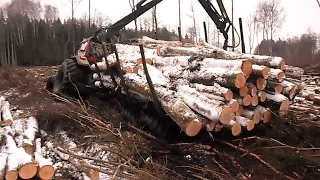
(6, 113)
(45, 165)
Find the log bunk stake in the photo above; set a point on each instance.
(202, 85)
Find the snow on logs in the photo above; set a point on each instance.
(19, 157)
(205, 87)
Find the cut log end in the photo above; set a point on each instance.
(284, 107)
(267, 117)
(234, 105)
(210, 126)
(193, 128)
(293, 92)
(247, 100)
(240, 81)
(11, 175)
(278, 89)
(243, 91)
(281, 76)
(148, 61)
(236, 129)
(46, 172)
(250, 125)
(240, 111)
(247, 68)
(226, 115)
(256, 117)
(255, 100)
(261, 83)
(263, 96)
(27, 171)
(265, 72)
(228, 95)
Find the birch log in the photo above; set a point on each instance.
(13, 159)
(276, 75)
(235, 127)
(278, 102)
(247, 123)
(274, 87)
(214, 89)
(252, 115)
(289, 89)
(6, 113)
(265, 113)
(45, 165)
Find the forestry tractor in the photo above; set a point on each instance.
(75, 77)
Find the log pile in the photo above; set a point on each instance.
(20, 150)
(204, 87)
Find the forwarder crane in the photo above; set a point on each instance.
(74, 76)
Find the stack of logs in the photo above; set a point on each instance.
(20, 150)
(203, 87)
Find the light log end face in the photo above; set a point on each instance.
(235, 106)
(263, 97)
(261, 83)
(284, 107)
(265, 72)
(247, 68)
(256, 117)
(12, 175)
(236, 129)
(210, 126)
(250, 125)
(240, 81)
(226, 115)
(28, 171)
(254, 91)
(255, 100)
(243, 91)
(278, 89)
(247, 100)
(282, 64)
(229, 95)
(46, 172)
(240, 111)
(193, 128)
(281, 76)
(293, 91)
(267, 116)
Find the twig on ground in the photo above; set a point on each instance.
(255, 156)
(118, 167)
(120, 154)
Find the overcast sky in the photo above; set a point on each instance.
(300, 14)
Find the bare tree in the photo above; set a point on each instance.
(50, 13)
(253, 28)
(194, 28)
(133, 6)
(155, 22)
(270, 16)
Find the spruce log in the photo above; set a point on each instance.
(266, 115)
(6, 113)
(212, 109)
(222, 76)
(260, 71)
(233, 65)
(214, 89)
(276, 75)
(235, 127)
(274, 87)
(252, 89)
(289, 89)
(279, 102)
(13, 159)
(252, 115)
(244, 101)
(244, 122)
(45, 165)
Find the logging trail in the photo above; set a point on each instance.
(94, 141)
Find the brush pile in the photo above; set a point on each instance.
(201, 86)
(21, 154)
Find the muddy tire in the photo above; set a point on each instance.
(70, 80)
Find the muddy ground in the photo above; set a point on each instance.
(283, 149)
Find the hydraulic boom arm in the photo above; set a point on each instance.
(221, 21)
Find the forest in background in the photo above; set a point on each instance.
(33, 35)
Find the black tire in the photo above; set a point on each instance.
(70, 80)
